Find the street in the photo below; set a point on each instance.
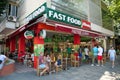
(84, 72)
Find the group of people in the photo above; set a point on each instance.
(97, 55)
(45, 60)
(98, 52)
(26, 58)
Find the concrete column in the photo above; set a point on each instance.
(38, 48)
(105, 44)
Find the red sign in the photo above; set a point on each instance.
(86, 25)
(73, 30)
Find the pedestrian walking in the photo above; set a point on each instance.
(100, 53)
(86, 50)
(112, 55)
(95, 53)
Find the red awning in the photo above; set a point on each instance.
(73, 30)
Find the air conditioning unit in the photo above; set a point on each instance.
(12, 18)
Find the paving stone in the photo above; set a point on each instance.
(84, 72)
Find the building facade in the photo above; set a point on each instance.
(46, 17)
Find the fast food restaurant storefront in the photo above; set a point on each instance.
(44, 20)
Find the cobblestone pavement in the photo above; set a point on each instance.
(84, 72)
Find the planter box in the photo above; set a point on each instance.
(8, 68)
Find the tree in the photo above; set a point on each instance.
(114, 12)
(114, 9)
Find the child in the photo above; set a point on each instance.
(58, 63)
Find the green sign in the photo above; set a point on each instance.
(37, 13)
(54, 15)
(62, 17)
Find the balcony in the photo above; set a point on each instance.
(7, 26)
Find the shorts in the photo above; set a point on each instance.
(80, 55)
(86, 57)
(99, 57)
(112, 58)
(1, 66)
(42, 66)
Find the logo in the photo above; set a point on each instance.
(29, 34)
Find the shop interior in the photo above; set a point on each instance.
(58, 42)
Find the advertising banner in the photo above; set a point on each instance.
(38, 48)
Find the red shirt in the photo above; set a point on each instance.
(76, 55)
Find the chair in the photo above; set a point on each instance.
(104, 58)
(74, 61)
(58, 66)
(43, 70)
(66, 62)
(52, 63)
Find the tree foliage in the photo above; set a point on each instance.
(114, 9)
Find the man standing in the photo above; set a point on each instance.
(95, 53)
(86, 50)
(100, 52)
(112, 55)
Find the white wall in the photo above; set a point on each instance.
(94, 14)
(27, 7)
(100, 29)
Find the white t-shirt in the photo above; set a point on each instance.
(112, 52)
(100, 51)
(86, 51)
(2, 57)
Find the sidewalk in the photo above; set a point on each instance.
(84, 72)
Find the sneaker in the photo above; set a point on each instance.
(92, 64)
(97, 65)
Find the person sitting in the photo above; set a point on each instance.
(52, 62)
(3, 59)
(21, 56)
(29, 60)
(42, 64)
(58, 63)
(32, 56)
(76, 54)
(48, 59)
